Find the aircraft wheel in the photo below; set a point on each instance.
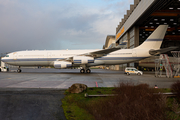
(88, 71)
(82, 71)
(19, 70)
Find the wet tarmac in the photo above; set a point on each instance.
(64, 78)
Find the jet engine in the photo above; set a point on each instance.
(62, 64)
(82, 60)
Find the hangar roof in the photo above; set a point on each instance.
(149, 14)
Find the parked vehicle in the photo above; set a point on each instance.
(4, 69)
(131, 70)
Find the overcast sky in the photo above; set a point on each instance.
(58, 24)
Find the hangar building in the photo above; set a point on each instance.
(143, 18)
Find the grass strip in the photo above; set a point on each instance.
(74, 105)
(72, 102)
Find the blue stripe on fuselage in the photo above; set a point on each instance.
(54, 59)
(31, 59)
(119, 58)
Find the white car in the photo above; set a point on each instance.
(131, 70)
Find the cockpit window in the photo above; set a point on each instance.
(7, 55)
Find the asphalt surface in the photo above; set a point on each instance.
(35, 94)
(31, 104)
(64, 78)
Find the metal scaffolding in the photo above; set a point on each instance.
(176, 61)
(163, 63)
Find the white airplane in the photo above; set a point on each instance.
(86, 58)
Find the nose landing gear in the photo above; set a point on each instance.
(19, 70)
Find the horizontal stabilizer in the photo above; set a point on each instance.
(156, 52)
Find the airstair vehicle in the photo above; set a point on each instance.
(176, 66)
(163, 63)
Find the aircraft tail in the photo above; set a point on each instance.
(155, 40)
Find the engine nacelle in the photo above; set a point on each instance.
(62, 64)
(82, 60)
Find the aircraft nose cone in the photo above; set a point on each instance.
(2, 59)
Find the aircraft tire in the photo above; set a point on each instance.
(88, 71)
(19, 70)
(82, 71)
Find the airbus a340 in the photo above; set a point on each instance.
(86, 58)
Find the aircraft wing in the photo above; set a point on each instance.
(156, 52)
(69, 59)
(102, 52)
(95, 54)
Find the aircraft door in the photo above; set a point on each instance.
(14, 56)
(134, 53)
(49, 55)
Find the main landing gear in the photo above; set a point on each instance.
(85, 69)
(19, 69)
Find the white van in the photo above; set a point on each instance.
(131, 70)
(4, 69)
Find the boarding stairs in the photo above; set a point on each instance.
(176, 55)
(163, 62)
(167, 65)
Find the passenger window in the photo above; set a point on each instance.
(7, 55)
